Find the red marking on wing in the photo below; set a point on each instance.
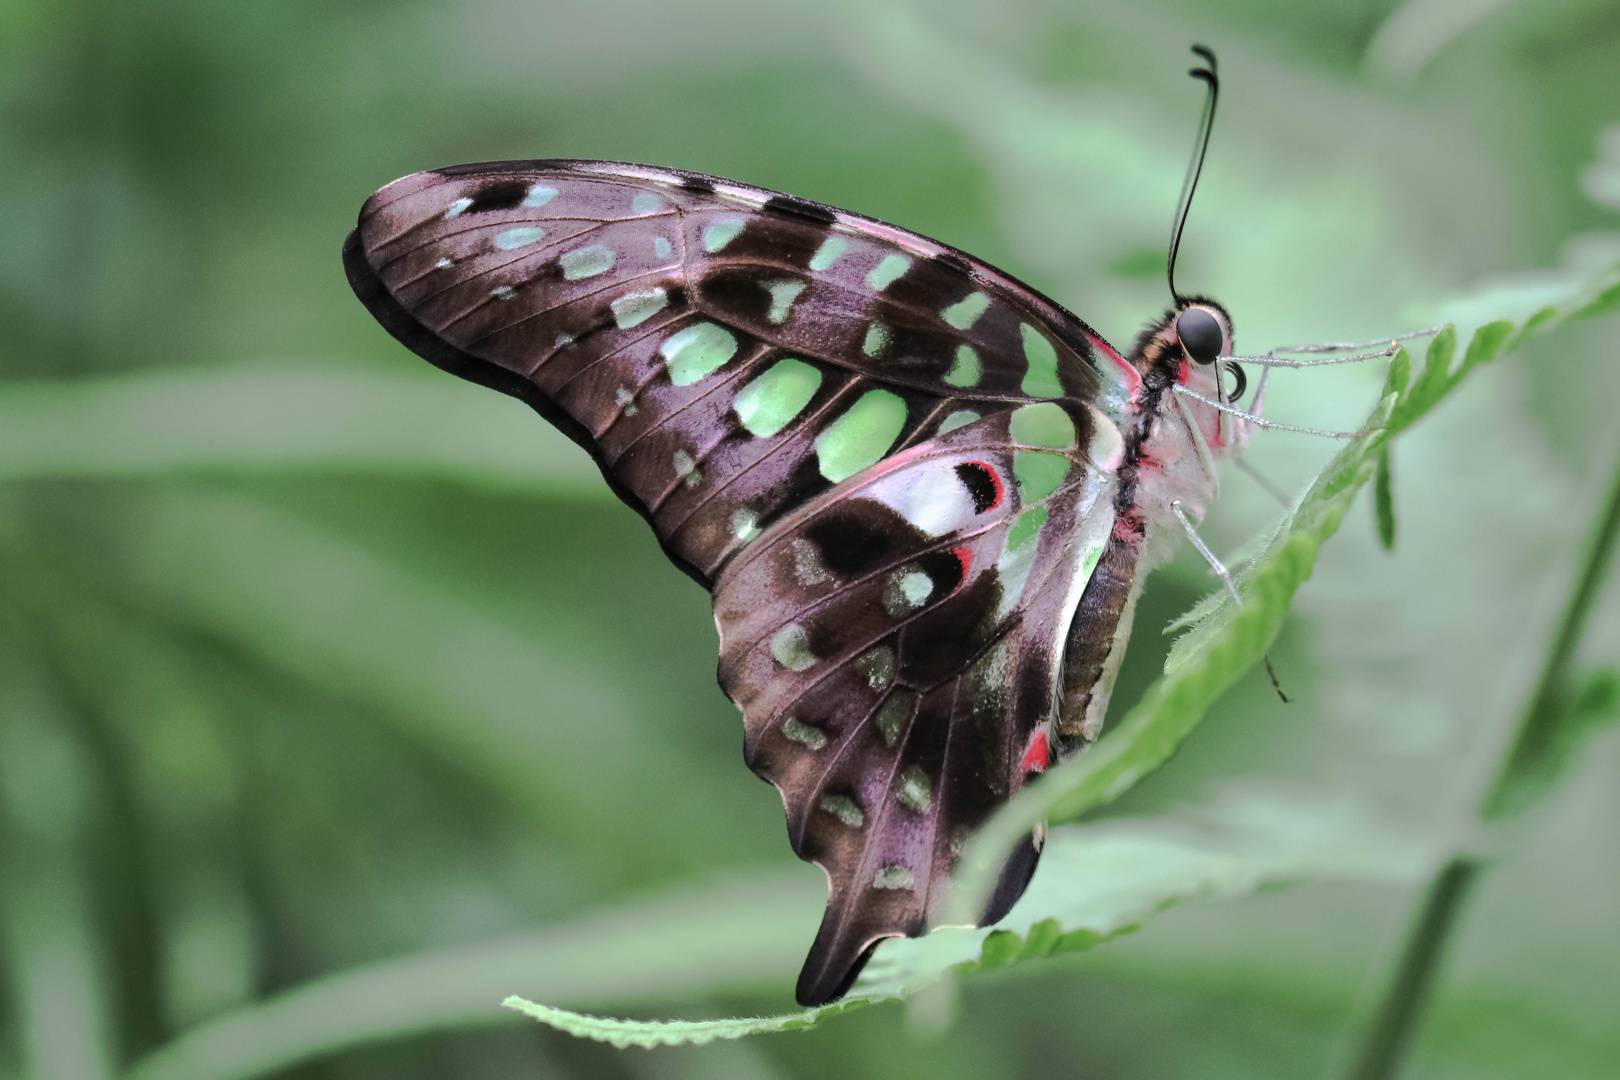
(1038, 755)
(964, 556)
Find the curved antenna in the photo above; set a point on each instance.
(1196, 166)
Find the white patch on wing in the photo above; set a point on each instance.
(933, 498)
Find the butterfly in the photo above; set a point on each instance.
(922, 495)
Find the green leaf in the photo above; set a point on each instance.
(1384, 500)
(735, 932)
(1487, 342)
(1399, 375)
(493, 696)
(651, 1033)
(1097, 882)
(1431, 385)
(1534, 325)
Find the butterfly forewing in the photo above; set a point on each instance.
(876, 451)
(725, 353)
(892, 646)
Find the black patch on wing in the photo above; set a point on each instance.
(501, 195)
(801, 208)
(737, 292)
(850, 545)
(945, 571)
(697, 185)
(980, 484)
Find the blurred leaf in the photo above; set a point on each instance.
(1606, 301)
(255, 419)
(52, 959)
(738, 932)
(331, 611)
(1419, 30)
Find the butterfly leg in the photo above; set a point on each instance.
(1391, 344)
(1203, 549)
(1270, 425)
(1205, 458)
(1351, 346)
(1264, 481)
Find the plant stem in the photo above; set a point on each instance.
(1403, 1004)
(1538, 730)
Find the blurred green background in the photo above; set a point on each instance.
(313, 658)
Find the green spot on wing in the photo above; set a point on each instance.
(645, 203)
(587, 262)
(844, 809)
(790, 647)
(1093, 557)
(877, 339)
(892, 715)
(697, 351)
(522, 236)
(959, 418)
(1045, 425)
(633, 309)
(829, 252)
(721, 233)
(1024, 529)
(859, 438)
(769, 403)
(1038, 473)
(883, 275)
(915, 792)
(539, 195)
(1041, 380)
(800, 732)
(966, 311)
(783, 293)
(893, 877)
(966, 370)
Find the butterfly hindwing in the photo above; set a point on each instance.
(725, 353)
(893, 647)
(877, 452)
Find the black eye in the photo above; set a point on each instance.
(1240, 381)
(1200, 334)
